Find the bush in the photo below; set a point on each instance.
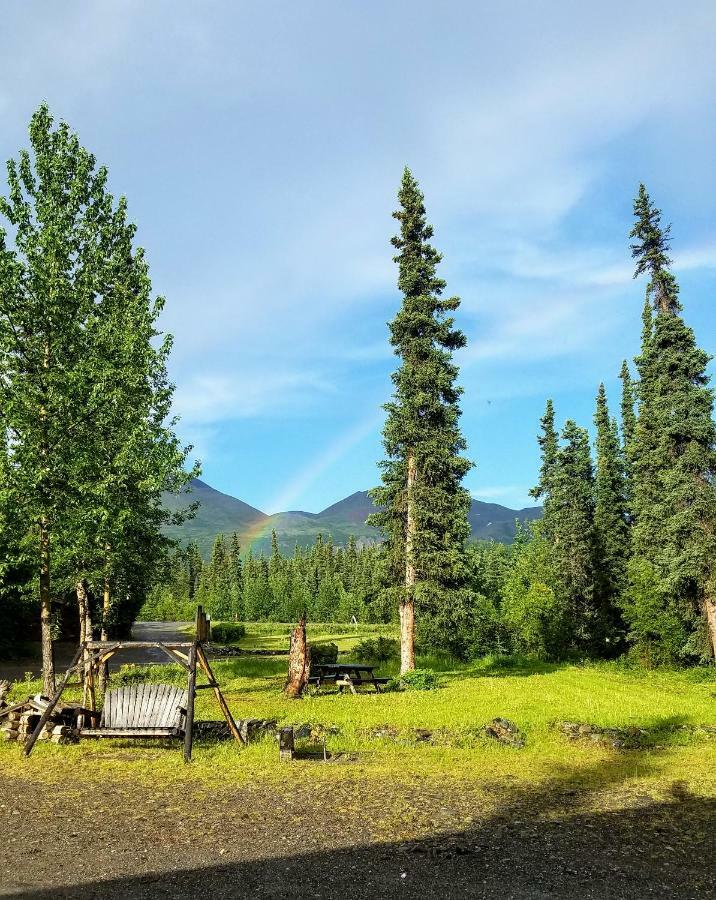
(535, 620)
(380, 649)
(658, 625)
(323, 654)
(417, 680)
(227, 632)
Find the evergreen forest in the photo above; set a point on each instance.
(622, 562)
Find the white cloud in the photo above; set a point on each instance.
(205, 398)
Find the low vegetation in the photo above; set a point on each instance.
(433, 734)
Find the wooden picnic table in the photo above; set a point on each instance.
(346, 675)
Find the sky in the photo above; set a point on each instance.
(260, 147)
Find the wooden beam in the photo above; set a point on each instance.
(204, 663)
(179, 658)
(141, 645)
(27, 749)
(130, 732)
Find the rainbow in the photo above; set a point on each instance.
(286, 497)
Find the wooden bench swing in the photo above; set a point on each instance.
(143, 710)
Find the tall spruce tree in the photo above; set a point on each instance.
(674, 464)
(424, 505)
(548, 442)
(611, 531)
(570, 530)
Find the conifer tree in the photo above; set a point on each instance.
(674, 463)
(423, 504)
(549, 447)
(611, 532)
(570, 529)
(627, 407)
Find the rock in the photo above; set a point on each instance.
(505, 732)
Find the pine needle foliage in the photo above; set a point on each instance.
(673, 465)
(611, 530)
(422, 431)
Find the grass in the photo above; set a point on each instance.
(376, 739)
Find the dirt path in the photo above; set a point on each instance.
(124, 841)
(15, 670)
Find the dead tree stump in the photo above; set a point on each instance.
(299, 661)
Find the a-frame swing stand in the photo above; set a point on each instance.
(143, 710)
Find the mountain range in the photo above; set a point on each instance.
(222, 514)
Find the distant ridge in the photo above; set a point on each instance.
(220, 513)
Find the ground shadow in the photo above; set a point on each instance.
(564, 838)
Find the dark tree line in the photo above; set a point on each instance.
(329, 584)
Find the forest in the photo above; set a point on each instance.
(623, 560)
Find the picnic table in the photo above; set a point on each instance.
(345, 675)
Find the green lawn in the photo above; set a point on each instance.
(667, 705)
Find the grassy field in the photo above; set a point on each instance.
(373, 736)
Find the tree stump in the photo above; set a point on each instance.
(299, 661)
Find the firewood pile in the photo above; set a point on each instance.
(19, 720)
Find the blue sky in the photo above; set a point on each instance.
(260, 146)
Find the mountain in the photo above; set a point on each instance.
(217, 514)
(221, 514)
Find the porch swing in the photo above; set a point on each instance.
(147, 710)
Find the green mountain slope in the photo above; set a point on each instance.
(221, 514)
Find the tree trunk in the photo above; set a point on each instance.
(299, 661)
(106, 606)
(84, 612)
(407, 606)
(710, 607)
(48, 655)
(103, 674)
(89, 699)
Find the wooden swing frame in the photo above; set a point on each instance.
(93, 655)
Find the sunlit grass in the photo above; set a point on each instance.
(666, 704)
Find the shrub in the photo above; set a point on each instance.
(227, 632)
(323, 654)
(416, 680)
(535, 619)
(380, 649)
(657, 630)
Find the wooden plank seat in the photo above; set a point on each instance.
(142, 711)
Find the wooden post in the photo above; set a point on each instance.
(286, 744)
(189, 724)
(204, 663)
(27, 749)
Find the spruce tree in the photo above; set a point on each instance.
(548, 442)
(570, 530)
(674, 464)
(423, 504)
(611, 531)
(627, 407)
